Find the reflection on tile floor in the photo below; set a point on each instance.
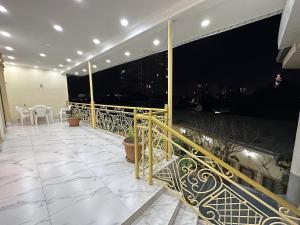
(56, 175)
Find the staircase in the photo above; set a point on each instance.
(163, 208)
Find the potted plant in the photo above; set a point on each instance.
(73, 119)
(128, 143)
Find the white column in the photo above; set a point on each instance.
(293, 192)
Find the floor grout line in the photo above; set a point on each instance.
(40, 135)
(34, 152)
(99, 179)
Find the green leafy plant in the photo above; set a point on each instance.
(130, 135)
(72, 115)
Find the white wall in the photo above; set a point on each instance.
(23, 87)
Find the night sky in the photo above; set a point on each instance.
(241, 58)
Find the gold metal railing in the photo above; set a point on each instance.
(203, 181)
(116, 119)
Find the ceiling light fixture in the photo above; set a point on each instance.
(42, 54)
(8, 48)
(79, 52)
(76, 73)
(127, 54)
(124, 22)
(55, 69)
(36, 67)
(5, 34)
(11, 57)
(3, 9)
(156, 42)
(58, 28)
(69, 60)
(205, 23)
(94, 66)
(60, 65)
(108, 61)
(83, 70)
(96, 41)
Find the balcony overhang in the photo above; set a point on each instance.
(82, 21)
(289, 36)
(292, 59)
(187, 28)
(289, 30)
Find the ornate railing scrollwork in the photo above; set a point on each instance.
(206, 183)
(115, 119)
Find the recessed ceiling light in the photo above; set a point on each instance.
(127, 53)
(11, 57)
(96, 41)
(84, 70)
(5, 34)
(55, 69)
(76, 73)
(42, 54)
(58, 27)
(94, 66)
(9, 48)
(3, 9)
(124, 22)
(36, 67)
(69, 60)
(79, 52)
(156, 42)
(205, 23)
(60, 65)
(108, 61)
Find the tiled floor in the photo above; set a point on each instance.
(58, 175)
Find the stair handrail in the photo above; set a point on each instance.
(285, 208)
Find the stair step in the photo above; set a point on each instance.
(144, 207)
(201, 222)
(186, 216)
(162, 212)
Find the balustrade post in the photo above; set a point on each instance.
(170, 82)
(136, 158)
(93, 115)
(166, 133)
(150, 149)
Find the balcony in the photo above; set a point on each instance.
(61, 175)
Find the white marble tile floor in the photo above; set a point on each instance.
(56, 175)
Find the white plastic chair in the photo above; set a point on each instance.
(63, 111)
(24, 113)
(50, 112)
(40, 111)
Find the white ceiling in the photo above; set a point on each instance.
(30, 24)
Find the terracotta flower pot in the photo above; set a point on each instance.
(74, 122)
(129, 149)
